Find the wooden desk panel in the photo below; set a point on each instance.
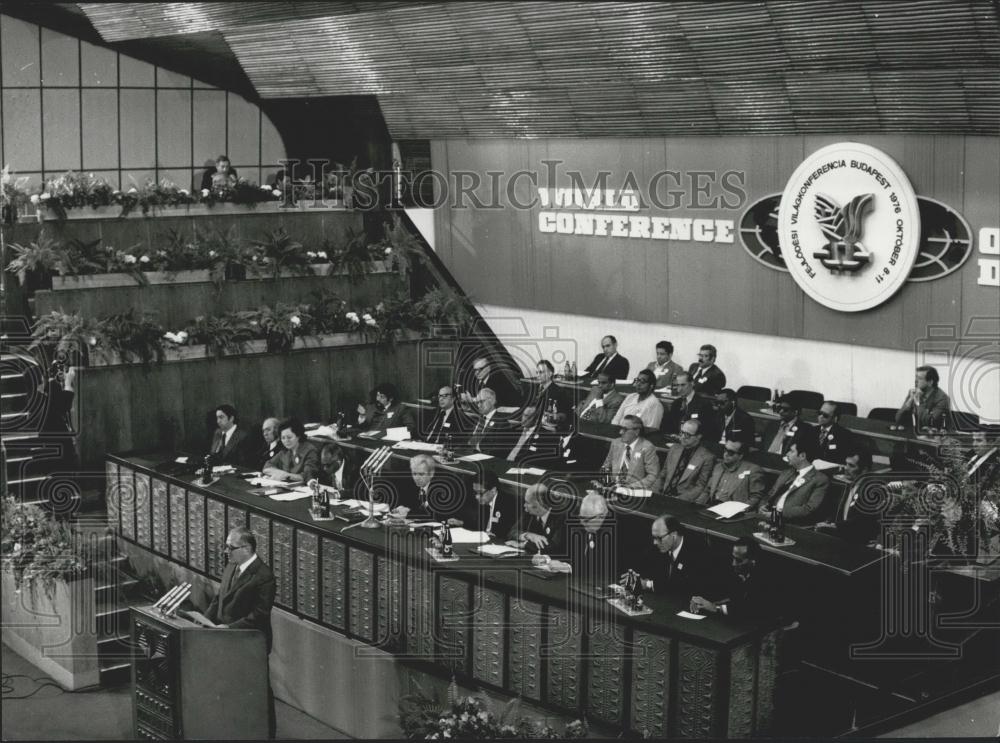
(491, 622)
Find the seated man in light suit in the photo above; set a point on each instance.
(687, 467)
(735, 479)
(603, 401)
(642, 402)
(799, 492)
(926, 405)
(632, 459)
(665, 368)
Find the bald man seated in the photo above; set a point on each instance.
(595, 544)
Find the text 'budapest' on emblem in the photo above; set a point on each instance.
(945, 237)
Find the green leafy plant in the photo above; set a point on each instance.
(354, 256)
(329, 313)
(41, 548)
(242, 192)
(401, 248)
(74, 190)
(35, 263)
(221, 334)
(71, 334)
(132, 338)
(13, 193)
(277, 250)
(443, 307)
(281, 325)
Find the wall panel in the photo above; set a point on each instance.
(60, 59)
(100, 135)
(61, 129)
(22, 129)
(19, 52)
(99, 66)
(173, 128)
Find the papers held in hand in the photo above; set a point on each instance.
(727, 509)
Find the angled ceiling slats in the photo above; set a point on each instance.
(534, 69)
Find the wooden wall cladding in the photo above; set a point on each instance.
(128, 408)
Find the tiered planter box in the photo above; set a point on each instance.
(78, 213)
(55, 634)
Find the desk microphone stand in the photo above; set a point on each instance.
(369, 470)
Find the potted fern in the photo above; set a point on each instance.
(69, 335)
(126, 338)
(277, 254)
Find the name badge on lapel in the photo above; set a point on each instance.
(446, 425)
(742, 475)
(694, 415)
(690, 467)
(831, 447)
(389, 415)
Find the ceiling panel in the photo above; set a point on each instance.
(536, 69)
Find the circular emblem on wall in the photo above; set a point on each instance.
(945, 237)
(849, 226)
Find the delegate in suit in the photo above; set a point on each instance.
(632, 459)
(687, 467)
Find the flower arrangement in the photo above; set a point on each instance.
(962, 508)
(42, 549)
(13, 193)
(422, 717)
(277, 251)
(73, 189)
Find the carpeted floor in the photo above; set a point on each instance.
(35, 708)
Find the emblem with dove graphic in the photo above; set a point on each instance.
(843, 227)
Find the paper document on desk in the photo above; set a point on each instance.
(362, 504)
(370, 435)
(822, 464)
(477, 457)
(467, 536)
(410, 445)
(536, 471)
(728, 508)
(181, 460)
(689, 615)
(498, 550)
(634, 492)
(322, 431)
(397, 434)
(289, 496)
(268, 482)
(507, 409)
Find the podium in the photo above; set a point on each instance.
(189, 682)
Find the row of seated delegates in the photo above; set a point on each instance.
(235, 445)
(220, 175)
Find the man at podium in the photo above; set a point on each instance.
(245, 596)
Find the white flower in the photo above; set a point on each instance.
(144, 259)
(254, 322)
(322, 254)
(388, 251)
(133, 190)
(182, 336)
(161, 252)
(275, 192)
(116, 191)
(185, 192)
(366, 317)
(352, 316)
(92, 341)
(130, 259)
(34, 198)
(204, 192)
(172, 337)
(46, 196)
(310, 254)
(295, 320)
(265, 187)
(371, 322)
(211, 253)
